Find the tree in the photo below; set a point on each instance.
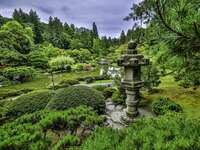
(122, 37)
(14, 36)
(174, 23)
(95, 31)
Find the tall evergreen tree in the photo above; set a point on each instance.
(33, 17)
(122, 37)
(95, 30)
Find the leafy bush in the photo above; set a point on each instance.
(75, 96)
(28, 103)
(65, 84)
(69, 82)
(66, 142)
(172, 131)
(117, 98)
(4, 81)
(20, 74)
(164, 105)
(33, 131)
(108, 92)
(11, 58)
(6, 93)
(89, 80)
(100, 88)
(82, 67)
(61, 63)
(38, 59)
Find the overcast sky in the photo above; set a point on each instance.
(108, 14)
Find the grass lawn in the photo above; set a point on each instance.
(44, 81)
(189, 99)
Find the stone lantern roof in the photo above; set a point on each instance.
(131, 58)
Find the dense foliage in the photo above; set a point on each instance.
(172, 131)
(172, 35)
(19, 74)
(28, 103)
(75, 96)
(164, 105)
(44, 130)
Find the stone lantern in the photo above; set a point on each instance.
(132, 62)
(103, 67)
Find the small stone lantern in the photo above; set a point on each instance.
(132, 62)
(103, 67)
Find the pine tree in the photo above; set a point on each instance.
(95, 31)
(38, 38)
(122, 37)
(33, 17)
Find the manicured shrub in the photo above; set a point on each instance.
(164, 105)
(108, 92)
(28, 103)
(173, 131)
(65, 84)
(100, 88)
(6, 93)
(38, 59)
(69, 82)
(20, 74)
(75, 96)
(82, 67)
(34, 131)
(117, 98)
(89, 80)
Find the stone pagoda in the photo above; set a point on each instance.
(132, 62)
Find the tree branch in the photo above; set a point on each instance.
(164, 22)
(196, 30)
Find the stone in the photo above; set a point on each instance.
(132, 62)
(119, 107)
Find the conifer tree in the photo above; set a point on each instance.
(95, 30)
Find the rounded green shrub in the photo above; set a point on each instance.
(20, 74)
(89, 80)
(28, 103)
(69, 82)
(108, 92)
(65, 84)
(75, 96)
(100, 88)
(163, 105)
(117, 98)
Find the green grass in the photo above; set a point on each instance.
(189, 99)
(45, 80)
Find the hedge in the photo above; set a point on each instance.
(75, 96)
(28, 103)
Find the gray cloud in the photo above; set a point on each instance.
(108, 14)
